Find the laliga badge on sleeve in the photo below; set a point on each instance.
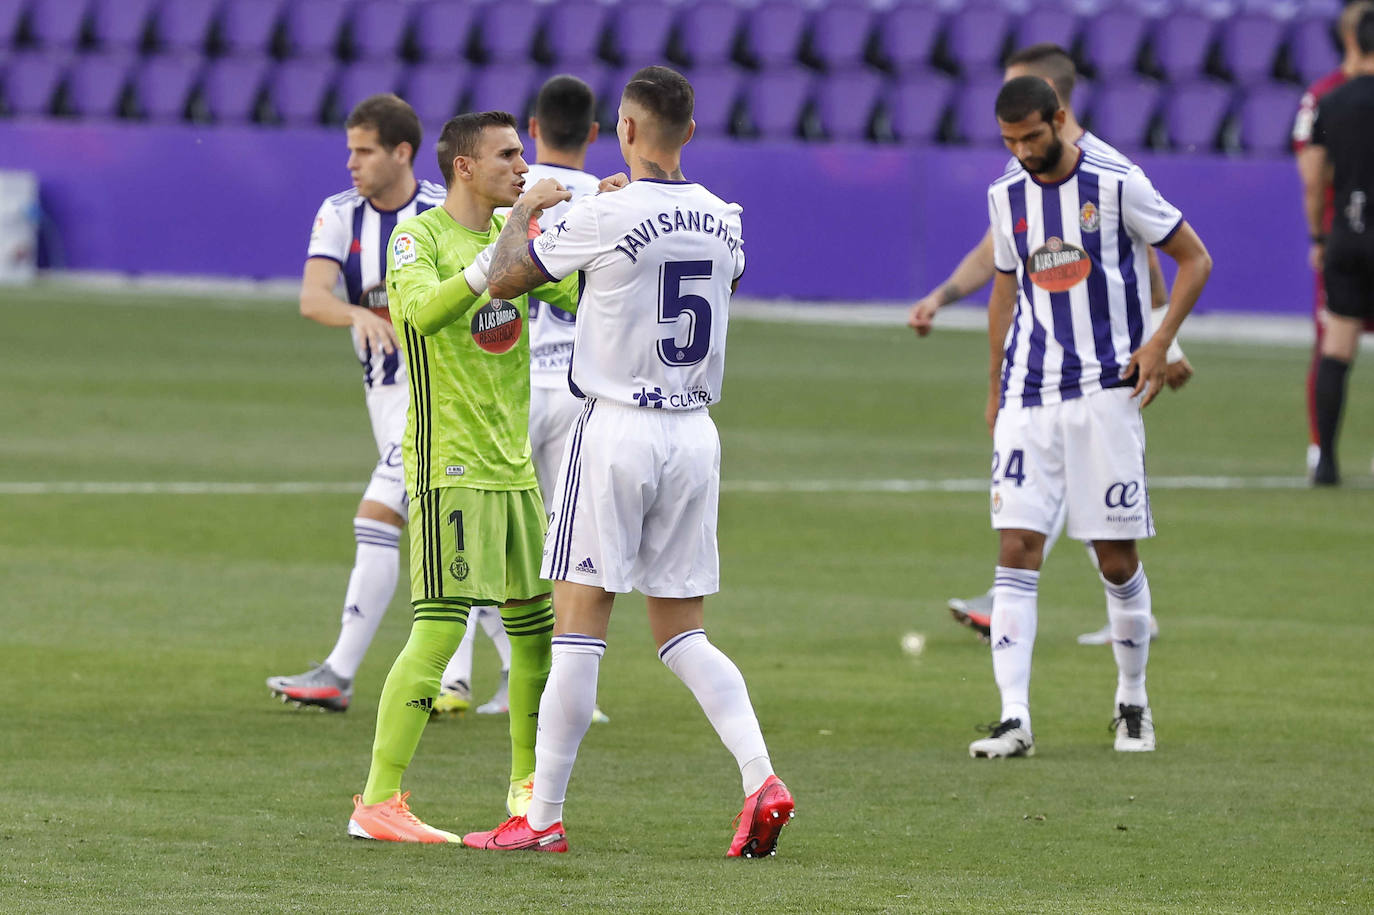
(403, 250)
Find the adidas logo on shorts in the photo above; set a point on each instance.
(586, 567)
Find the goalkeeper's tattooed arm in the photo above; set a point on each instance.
(513, 272)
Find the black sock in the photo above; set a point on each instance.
(1330, 400)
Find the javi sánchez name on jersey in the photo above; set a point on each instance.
(667, 223)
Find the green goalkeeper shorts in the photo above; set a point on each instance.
(476, 546)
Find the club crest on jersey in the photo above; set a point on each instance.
(496, 326)
(403, 249)
(1057, 266)
(458, 568)
(1088, 217)
(996, 502)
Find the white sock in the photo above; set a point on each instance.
(565, 713)
(1014, 593)
(376, 566)
(459, 666)
(720, 691)
(1128, 610)
(496, 631)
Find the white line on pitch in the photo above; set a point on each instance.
(742, 486)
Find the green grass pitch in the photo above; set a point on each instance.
(145, 768)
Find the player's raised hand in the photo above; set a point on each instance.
(613, 183)
(1176, 374)
(1148, 366)
(544, 194)
(921, 318)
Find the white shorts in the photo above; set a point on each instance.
(1088, 452)
(552, 414)
(635, 505)
(386, 406)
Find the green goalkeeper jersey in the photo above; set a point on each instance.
(469, 359)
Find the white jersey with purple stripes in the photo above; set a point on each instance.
(551, 328)
(1079, 249)
(349, 230)
(658, 259)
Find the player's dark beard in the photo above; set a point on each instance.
(1039, 165)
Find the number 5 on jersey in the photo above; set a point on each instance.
(673, 303)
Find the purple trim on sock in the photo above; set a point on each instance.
(677, 640)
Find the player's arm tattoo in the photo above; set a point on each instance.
(659, 171)
(513, 272)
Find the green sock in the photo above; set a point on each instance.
(530, 628)
(409, 694)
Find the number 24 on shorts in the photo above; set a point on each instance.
(1015, 469)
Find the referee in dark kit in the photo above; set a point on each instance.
(1344, 133)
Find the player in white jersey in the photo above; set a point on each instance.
(1070, 370)
(1053, 64)
(563, 126)
(635, 505)
(349, 240)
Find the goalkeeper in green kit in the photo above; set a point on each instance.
(476, 517)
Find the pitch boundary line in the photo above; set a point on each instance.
(800, 487)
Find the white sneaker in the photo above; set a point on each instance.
(1008, 738)
(1135, 730)
(498, 704)
(1103, 636)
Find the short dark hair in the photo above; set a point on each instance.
(1364, 33)
(1023, 96)
(393, 119)
(565, 109)
(461, 135)
(666, 95)
(1051, 62)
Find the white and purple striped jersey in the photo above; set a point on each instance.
(552, 328)
(657, 261)
(352, 232)
(1079, 249)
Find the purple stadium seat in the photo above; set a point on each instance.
(299, 88)
(908, 35)
(379, 27)
(11, 12)
(574, 29)
(247, 26)
(120, 24)
(1249, 45)
(975, 38)
(1314, 49)
(641, 31)
(363, 79)
(1181, 43)
(32, 79)
(95, 84)
(706, 32)
(776, 99)
(839, 34)
(442, 30)
(717, 93)
(231, 88)
(184, 25)
(313, 26)
(1112, 40)
(917, 106)
(505, 87)
(1054, 25)
(163, 85)
(775, 29)
(1266, 118)
(975, 111)
(508, 29)
(56, 24)
(1194, 112)
(846, 101)
(1122, 111)
(436, 91)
